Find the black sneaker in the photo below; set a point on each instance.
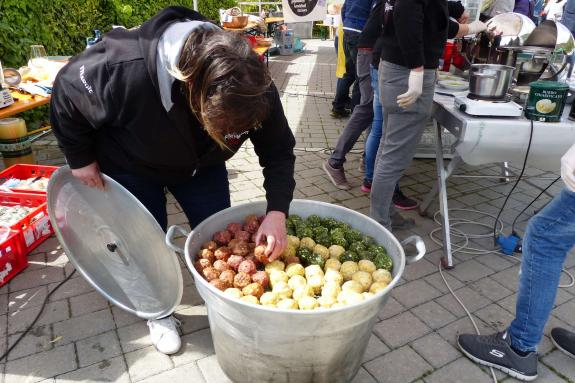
(402, 202)
(495, 351)
(340, 113)
(564, 340)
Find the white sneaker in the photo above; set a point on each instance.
(164, 334)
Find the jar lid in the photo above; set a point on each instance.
(10, 120)
(115, 244)
(551, 85)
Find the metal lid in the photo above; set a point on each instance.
(116, 244)
(554, 85)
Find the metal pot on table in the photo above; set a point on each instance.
(490, 81)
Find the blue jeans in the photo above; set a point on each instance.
(550, 235)
(372, 142)
(200, 196)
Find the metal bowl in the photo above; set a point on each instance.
(552, 35)
(509, 29)
(255, 343)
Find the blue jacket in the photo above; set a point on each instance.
(354, 14)
(568, 18)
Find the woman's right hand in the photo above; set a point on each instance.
(90, 175)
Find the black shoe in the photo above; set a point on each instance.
(402, 202)
(399, 222)
(340, 113)
(564, 340)
(495, 351)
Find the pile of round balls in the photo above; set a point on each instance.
(234, 264)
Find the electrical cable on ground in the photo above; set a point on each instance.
(5, 355)
(532, 202)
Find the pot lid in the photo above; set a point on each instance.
(116, 244)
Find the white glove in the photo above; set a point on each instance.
(476, 27)
(568, 169)
(414, 89)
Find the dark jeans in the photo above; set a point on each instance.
(349, 78)
(200, 196)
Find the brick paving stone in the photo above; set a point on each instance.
(134, 336)
(3, 304)
(490, 289)
(436, 281)
(473, 301)
(462, 370)
(363, 376)
(561, 363)
(188, 373)
(49, 245)
(87, 303)
(36, 278)
(565, 311)
(190, 298)
(419, 269)
(109, 370)
(435, 350)
(390, 309)
(398, 366)
(195, 346)
(37, 340)
(193, 319)
(147, 362)
(470, 271)
(84, 326)
(415, 293)
(56, 258)
(98, 348)
(75, 286)
(25, 299)
(3, 325)
(356, 203)
(53, 312)
(400, 329)
(462, 326)
(123, 318)
(495, 317)
(212, 371)
(433, 315)
(36, 261)
(38, 367)
(495, 262)
(375, 348)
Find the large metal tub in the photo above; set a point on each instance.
(257, 344)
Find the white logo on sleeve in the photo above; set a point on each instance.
(497, 353)
(83, 79)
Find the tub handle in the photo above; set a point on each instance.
(419, 245)
(170, 237)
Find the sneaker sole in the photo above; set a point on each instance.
(342, 187)
(513, 373)
(404, 208)
(365, 190)
(561, 348)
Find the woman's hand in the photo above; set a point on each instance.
(464, 18)
(273, 231)
(90, 175)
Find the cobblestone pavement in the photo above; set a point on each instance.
(82, 338)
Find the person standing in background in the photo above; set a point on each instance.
(354, 14)
(554, 10)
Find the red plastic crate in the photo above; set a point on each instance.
(25, 171)
(12, 260)
(35, 227)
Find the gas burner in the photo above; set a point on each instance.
(506, 98)
(488, 108)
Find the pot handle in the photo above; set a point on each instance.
(419, 245)
(170, 237)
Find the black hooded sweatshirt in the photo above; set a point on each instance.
(106, 107)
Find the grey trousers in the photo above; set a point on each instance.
(362, 114)
(403, 129)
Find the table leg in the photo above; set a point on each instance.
(504, 172)
(442, 175)
(430, 196)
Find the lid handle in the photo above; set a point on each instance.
(170, 238)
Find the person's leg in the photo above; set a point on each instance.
(360, 119)
(351, 46)
(549, 236)
(204, 194)
(403, 129)
(149, 193)
(372, 142)
(344, 83)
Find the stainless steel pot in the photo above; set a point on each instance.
(490, 81)
(256, 344)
